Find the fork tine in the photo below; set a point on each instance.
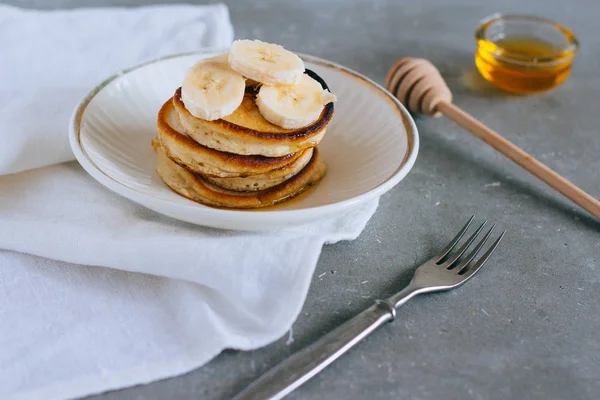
(448, 264)
(467, 260)
(482, 260)
(454, 241)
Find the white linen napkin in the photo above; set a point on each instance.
(69, 328)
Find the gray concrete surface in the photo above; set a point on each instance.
(528, 327)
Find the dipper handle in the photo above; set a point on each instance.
(420, 87)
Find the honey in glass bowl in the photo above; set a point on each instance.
(522, 54)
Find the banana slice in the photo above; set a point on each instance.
(293, 106)
(222, 58)
(212, 90)
(266, 63)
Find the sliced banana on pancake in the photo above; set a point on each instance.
(212, 90)
(266, 63)
(293, 106)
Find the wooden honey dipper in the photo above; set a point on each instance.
(419, 86)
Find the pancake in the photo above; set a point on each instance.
(246, 132)
(185, 151)
(196, 188)
(266, 180)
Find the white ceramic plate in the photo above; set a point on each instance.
(370, 145)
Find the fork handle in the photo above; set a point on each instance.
(303, 365)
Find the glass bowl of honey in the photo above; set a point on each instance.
(524, 54)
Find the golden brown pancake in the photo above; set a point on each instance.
(246, 132)
(196, 188)
(266, 180)
(185, 151)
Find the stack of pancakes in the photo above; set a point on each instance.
(241, 160)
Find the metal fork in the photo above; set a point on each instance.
(445, 271)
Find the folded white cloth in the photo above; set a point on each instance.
(67, 330)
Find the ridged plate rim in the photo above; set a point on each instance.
(245, 218)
